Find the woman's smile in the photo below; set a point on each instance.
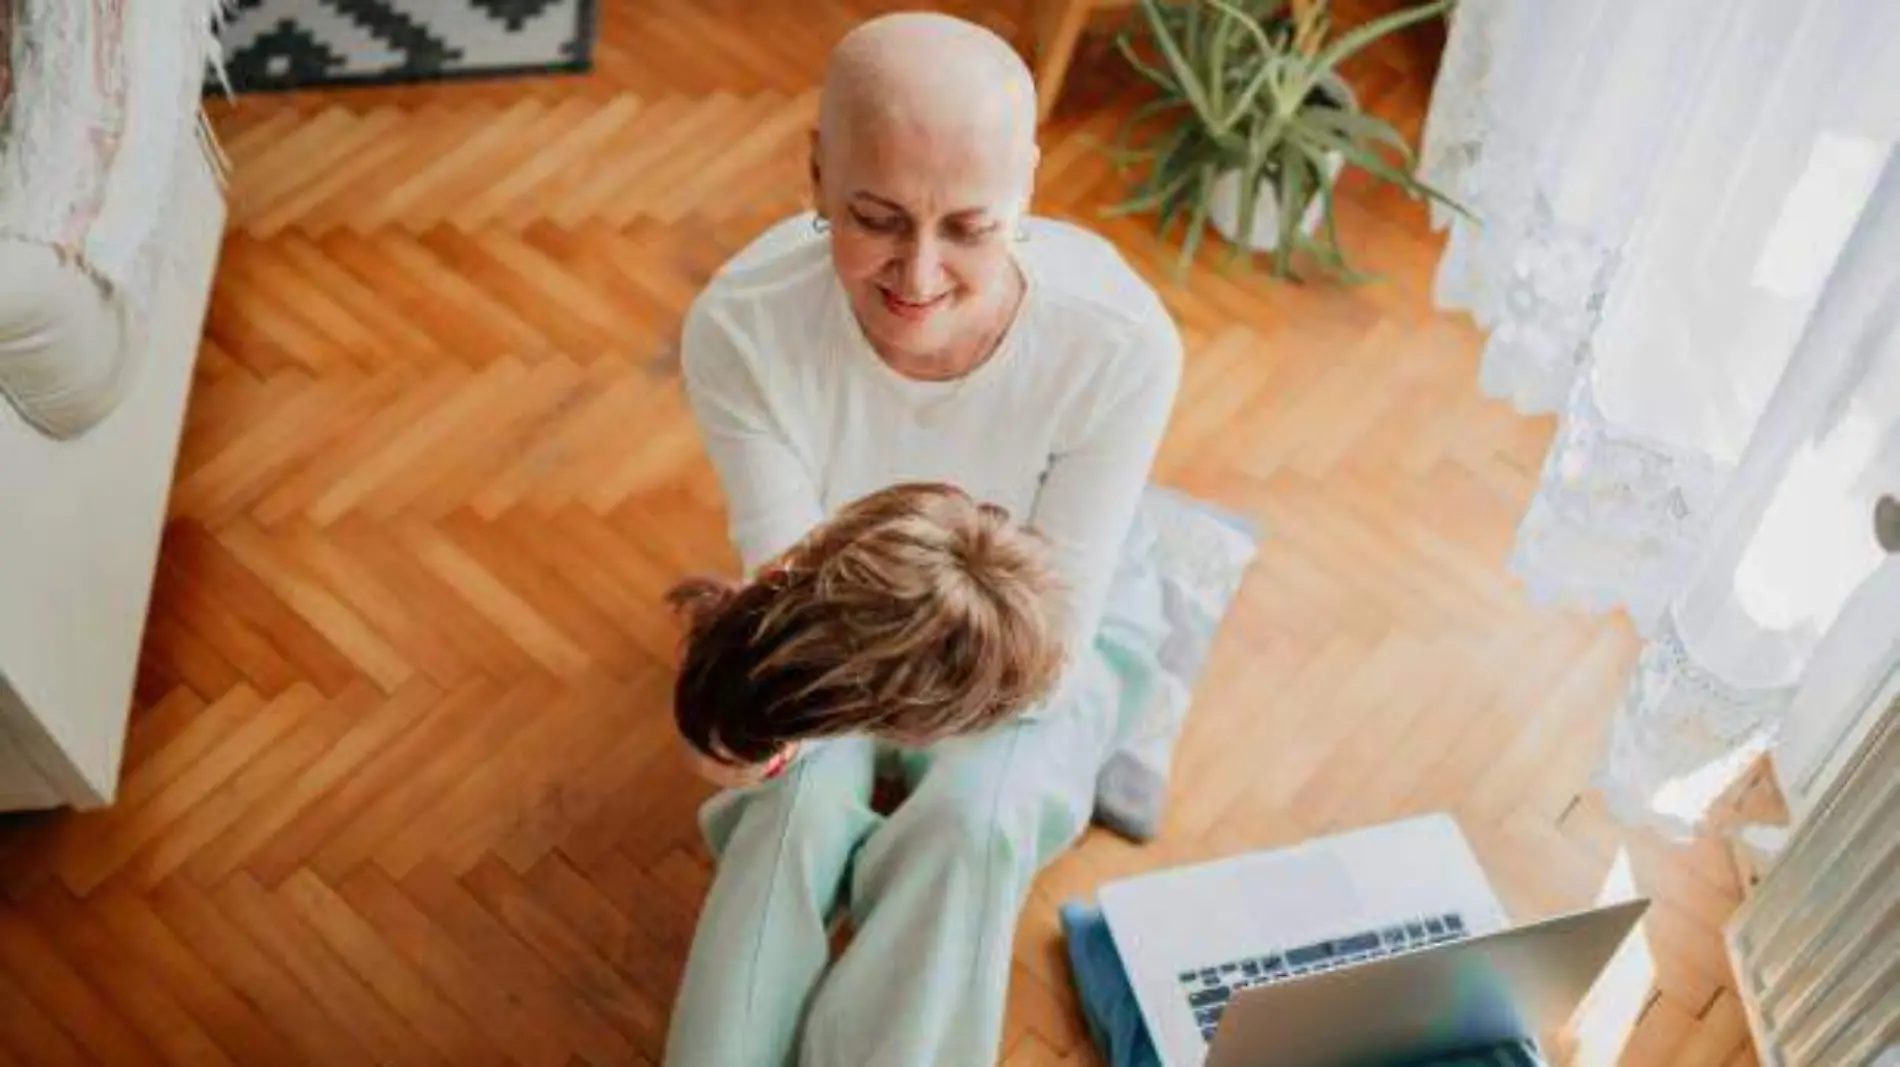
(911, 308)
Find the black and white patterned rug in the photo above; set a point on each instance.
(301, 44)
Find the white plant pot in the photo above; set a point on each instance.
(1223, 207)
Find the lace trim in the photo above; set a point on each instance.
(1682, 737)
(1618, 520)
(1453, 143)
(1535, 283)
(1550, 291)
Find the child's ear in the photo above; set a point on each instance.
(738, 775)
(701, 598)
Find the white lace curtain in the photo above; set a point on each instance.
(1687, 248)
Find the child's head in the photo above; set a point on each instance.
(915, 614)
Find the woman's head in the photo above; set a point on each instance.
(915, 614)
(923, 164)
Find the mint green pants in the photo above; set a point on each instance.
(934, 891)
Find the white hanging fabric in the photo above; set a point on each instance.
(1613, 77)
(1664, 193)
(1791, 542)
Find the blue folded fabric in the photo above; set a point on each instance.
(1114, 1018)
(1108, 1001)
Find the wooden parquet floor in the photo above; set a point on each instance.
(399, 789)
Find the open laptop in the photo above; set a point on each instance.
(1374, 947)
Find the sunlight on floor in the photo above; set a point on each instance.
(1606, 1020)
(1689, 798)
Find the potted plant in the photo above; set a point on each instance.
(1253, 124)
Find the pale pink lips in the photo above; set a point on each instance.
(906, 309)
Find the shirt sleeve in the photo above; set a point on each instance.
(771, 498)
(1092, 488)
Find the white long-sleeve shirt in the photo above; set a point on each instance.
(1060, 426)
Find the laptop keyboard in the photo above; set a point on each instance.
(1209, 989)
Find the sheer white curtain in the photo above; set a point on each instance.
(1686, 249)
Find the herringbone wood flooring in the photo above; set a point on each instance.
(399, 789)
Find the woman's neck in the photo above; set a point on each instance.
(966, 354)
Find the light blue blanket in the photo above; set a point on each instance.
(1178, 575)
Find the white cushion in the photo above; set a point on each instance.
(62, 350)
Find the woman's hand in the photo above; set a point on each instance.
(735, 775)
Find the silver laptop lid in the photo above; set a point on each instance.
(1523, 982)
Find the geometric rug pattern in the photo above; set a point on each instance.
(301, 44)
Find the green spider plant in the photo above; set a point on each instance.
(1245, 86)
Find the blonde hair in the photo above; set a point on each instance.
(916, 613)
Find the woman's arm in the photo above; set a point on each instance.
(1092, 489)
(771, 500)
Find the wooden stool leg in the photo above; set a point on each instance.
(1057, 28)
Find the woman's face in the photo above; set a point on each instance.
(921, 226)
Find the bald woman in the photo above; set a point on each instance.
(917, 326)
